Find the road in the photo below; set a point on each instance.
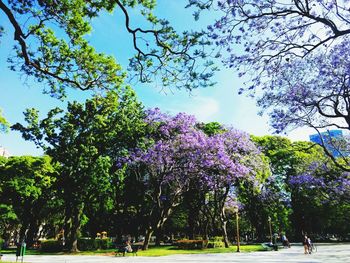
(325, 253)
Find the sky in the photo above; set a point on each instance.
(220, 103)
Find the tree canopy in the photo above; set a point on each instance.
(268, 32)
(85, 142)
(25, 188)
(50, 45)
(181, 154)
(292, 56)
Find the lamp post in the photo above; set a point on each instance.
(237, 228)
(269, 219)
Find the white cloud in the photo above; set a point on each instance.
(204, 108)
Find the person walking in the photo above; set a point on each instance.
(285, 241)
(306, 244)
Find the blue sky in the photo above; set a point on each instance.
(219, 103)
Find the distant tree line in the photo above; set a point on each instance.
(110, 165)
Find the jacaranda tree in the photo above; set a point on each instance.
(259, 35)
(292, 56)
(179, 154)
(237, 151)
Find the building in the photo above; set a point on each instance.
(4, 152)
(333, 140)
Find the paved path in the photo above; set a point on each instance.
(326, 253)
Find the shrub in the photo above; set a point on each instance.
(104, 243)
(1, 243)
(51, 245)
(216, 241)
(85, 244)
(191, 244)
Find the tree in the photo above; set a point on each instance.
(50, 45)
(271, 32)
(180, 154)
(316, 95)
(222, 187)
(167, 165)
(274, 199)
(26, 185)
(316, 186)
(294, 59)
(211, 128)
(304, 184)
(85, 142)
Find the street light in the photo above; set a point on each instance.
(235, 209)
(269, 219)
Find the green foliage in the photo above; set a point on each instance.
(191, 244)
(51, 245)
(83, 189)
(85, 142)
(88, 244)
(211, 128)
(7, 214)
(85, 244)
(1, 243)
(52, 46)
(25, 185)
(178, 220)
(4, 125)
(216, 242)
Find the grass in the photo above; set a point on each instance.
(169, 250)
(151, 252)
(29, 252)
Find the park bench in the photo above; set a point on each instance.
(121, 250)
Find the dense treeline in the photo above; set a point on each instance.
(112, 166)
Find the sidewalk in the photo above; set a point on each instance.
(327, 253)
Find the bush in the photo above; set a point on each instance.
(51, 245)
(104, 243)
(216, 241)
(191, 244)
(86, 244)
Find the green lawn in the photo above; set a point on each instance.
(153, 251)
(170, 250)
(165, 251)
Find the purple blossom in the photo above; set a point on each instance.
(180, 152)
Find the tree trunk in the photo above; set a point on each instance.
(22, 232)
(159, 235)
(149, 233)
(206, 230)
(32, 233)
(224, 233)
(72, 228)
(223, 219)
(75, 230)
(191, 225)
